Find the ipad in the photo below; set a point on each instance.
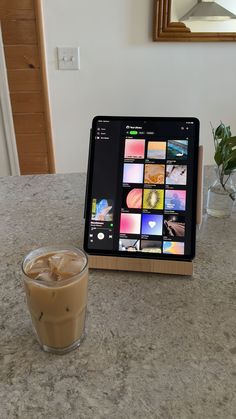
(142, 187)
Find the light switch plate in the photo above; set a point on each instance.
(68, 58)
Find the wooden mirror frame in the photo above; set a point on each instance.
(165, 30)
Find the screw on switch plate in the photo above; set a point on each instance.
(68, 58)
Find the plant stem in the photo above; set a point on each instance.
(221, 178)
(226, 181)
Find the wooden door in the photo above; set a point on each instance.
(22, 32)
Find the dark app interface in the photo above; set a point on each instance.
(142, 187)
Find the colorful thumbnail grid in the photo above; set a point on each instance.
(176, 174)
(156, 150)
(133, 173)
(152, 224)
(130, 223)
(133, 198)
(154, 173)
(177, 149)
(129, 245)
(134, 149)
(102, 209)
(153, 199)
(175, 200)
(174, 226)
(150, 246)
(173, 248)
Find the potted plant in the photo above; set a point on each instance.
(221, 194)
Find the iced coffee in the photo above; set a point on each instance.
(56, 282)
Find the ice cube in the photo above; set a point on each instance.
(70, 265)
(56, 267)
(46, 276)
(40, 263)
(54, 260)
(36, 266)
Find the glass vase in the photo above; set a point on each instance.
(221, 196)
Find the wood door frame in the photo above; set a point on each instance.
(43, 65)
(7, 114)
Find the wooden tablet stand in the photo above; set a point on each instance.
(153, 265)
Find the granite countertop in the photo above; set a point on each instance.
(158, 346)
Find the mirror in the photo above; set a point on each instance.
(194, 20)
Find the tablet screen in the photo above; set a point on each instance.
(141, 187)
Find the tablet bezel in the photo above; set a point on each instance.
(88, 198)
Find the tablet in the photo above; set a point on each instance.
(142, 187)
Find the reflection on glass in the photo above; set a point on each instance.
(205, 16)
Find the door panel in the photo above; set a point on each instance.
(37, 143)
(27, 123)
(19, 31)
(17, 4)
(40, 161)
(21, 57)
(24, 80)
(27, 102)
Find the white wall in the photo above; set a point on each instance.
(124, 72)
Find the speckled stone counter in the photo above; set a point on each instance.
(160, 347)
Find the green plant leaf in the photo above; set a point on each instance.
(219, 132)
(232, 155)
(225, 148)
(218, 157)
(232, 141)
(226, 151)
(221, 145)
(230, 163)
(228, 132)
(222, 132)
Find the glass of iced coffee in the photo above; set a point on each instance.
(56, 284)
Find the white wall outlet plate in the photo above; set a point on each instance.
(68, 58)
